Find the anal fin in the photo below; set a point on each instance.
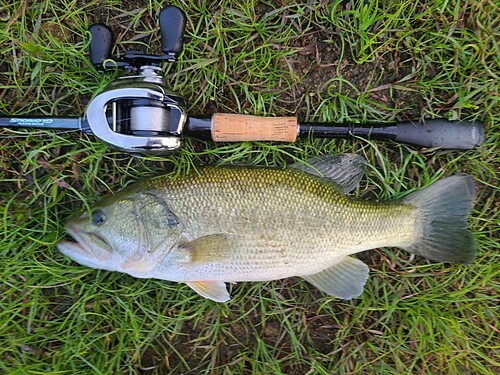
(212, 289)
(344, 280)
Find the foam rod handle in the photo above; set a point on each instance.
(101, 44)
(228, 127)
(461, 135)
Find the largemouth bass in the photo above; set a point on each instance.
(235, 224)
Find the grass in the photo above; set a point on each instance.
(328, 61)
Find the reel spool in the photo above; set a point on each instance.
(148, 119)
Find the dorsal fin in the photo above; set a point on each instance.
(345, 170)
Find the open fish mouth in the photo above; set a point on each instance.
(84, 245)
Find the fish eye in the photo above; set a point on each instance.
(98, 217)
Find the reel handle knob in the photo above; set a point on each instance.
(101, 44)
(172, 23)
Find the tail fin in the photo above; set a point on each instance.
(445, 206)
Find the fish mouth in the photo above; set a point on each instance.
(84, 245)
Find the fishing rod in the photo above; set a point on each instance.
(139, 114)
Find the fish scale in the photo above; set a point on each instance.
(305, 216)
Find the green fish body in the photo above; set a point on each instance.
(234, 224)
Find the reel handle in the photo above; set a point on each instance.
(172, 23)
(101, 44)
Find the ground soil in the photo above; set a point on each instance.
(319, 60)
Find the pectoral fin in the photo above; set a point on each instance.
(344, 280)
(210, 248)
(214, 290)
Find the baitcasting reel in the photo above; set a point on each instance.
(137, 112)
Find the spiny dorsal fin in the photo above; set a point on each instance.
(345, 170)
(344, 280)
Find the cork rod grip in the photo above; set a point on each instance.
(237, 128)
